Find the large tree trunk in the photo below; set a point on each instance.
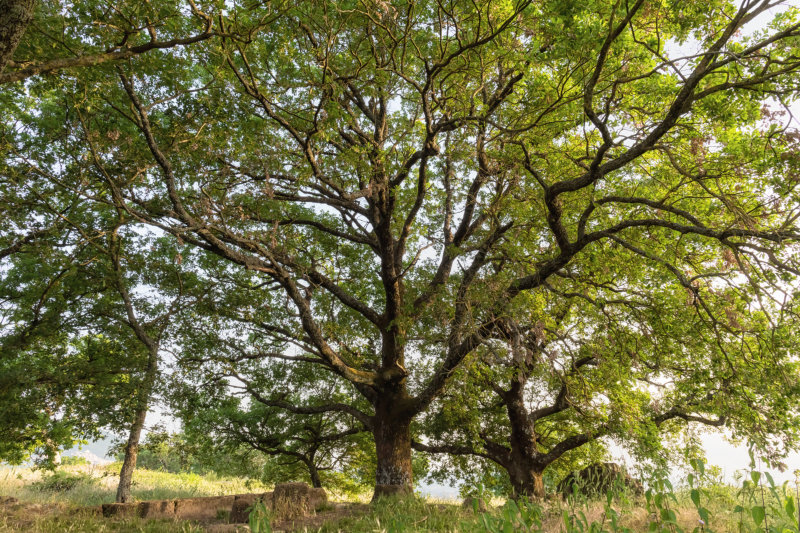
(392, 432)
(131, 454)
(526, 482)
(15, 15)
(524, 468)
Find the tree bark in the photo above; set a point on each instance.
(313, 473)
(392, 432)
(15, 15)
(523, 468)
(526, 481)
(132, 447)
(131, 454)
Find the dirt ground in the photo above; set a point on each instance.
(334, 511)
(22, 516)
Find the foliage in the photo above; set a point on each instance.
(259, 518)
(401, 195)
(61, 481)
(324, 449)
(71, 358)
(165, 451)
(72, 460)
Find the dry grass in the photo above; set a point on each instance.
(49, 512)
(77, 509)
(100, 485)
(288, 508)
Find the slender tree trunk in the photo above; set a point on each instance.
(392, 432)
(132, 447)
(314, 473)
(131, 454)
(15, 15)
(148, 381)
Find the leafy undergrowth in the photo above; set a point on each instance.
(662, 511)
(62, 502)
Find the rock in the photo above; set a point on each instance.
(470, 503)
(240, 511)
(317, 498)
(292, 500)
(203, 508)
(120, 509)
(95, 510)
(598, 479)
(157, 509)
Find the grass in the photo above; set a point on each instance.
(68, 501)
(64, 504)
(98, 485)
(410, 514)
(626, 513)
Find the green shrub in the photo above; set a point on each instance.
(74, 460)
(61, 481)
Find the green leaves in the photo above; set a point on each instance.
(416, 197)
(758, 513)
(694, 494)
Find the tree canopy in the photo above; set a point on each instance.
(594, 204)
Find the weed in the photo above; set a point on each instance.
(260, 519)
(61, 481)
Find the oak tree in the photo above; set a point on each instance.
(407, 175)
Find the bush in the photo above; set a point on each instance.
(60, 481)
(73, 460)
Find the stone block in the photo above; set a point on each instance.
(599, 478)
(291, 500)
(157, 509)
(227, 528)
(240, 511)
(120, 509)
(203, 508)
(470, 503)
(317, 498)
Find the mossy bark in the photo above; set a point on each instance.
(15, 15)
